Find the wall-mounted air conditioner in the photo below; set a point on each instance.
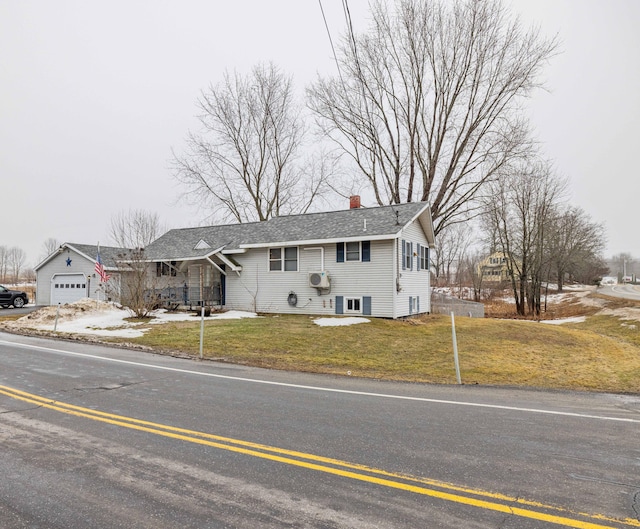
(319, 280)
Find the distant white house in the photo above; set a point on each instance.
(609, 280)
(364, 261)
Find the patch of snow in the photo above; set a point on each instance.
(164, 316)
(99, 318)
(625, 313)
(575, 319)
(338, 322)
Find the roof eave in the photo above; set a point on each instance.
(309, 242)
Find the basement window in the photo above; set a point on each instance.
(353, 305)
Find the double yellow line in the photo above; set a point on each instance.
(423, 486)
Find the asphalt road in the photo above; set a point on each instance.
(12, 311)
(625, 291)
(103, 437)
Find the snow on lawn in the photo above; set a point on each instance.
(575, 319)
(337, 322)
(100, 318)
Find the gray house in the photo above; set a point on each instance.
(69, 274)
(357, 261)
(365, 261)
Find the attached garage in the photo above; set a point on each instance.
(69, 274)
(67, 288)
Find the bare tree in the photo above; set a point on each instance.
(49, 246)
(15, 261)
(575, 243)
(134, 228)
(246, 159)
(622, 262)
(4, 263)
(473, 272)
(519, 213)
(591, 271)
(29, 275)
(132, 231)
(450, 251)
(427, 102)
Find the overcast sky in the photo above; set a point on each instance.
(94, 96)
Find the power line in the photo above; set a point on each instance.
(326, 25)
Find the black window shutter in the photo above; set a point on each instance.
(366, 251)
(340, 252)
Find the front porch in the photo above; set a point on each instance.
(187, 285)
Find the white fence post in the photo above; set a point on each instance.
(201, 330)
(455, 348)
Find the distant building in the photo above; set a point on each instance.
(495, 268)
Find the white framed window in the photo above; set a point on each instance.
(353, 305)
(424, 258)
(283, 259)
(408, 255)
(352, 251)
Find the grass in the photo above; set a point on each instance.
(601, 354)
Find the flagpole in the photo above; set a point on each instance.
(99, 281)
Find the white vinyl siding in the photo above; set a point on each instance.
(52, 272)
(414, 281)
(260, 290)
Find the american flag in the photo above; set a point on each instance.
(104, 277)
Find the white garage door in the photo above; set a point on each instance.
(67, 288)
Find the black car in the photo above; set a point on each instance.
(8, 297)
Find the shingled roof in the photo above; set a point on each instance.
(108, 254)
(377, 223)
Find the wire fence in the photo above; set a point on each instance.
(443, 304)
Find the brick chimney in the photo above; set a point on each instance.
(354, 201)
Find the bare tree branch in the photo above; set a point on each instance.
(428, 101)
(245, 162)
